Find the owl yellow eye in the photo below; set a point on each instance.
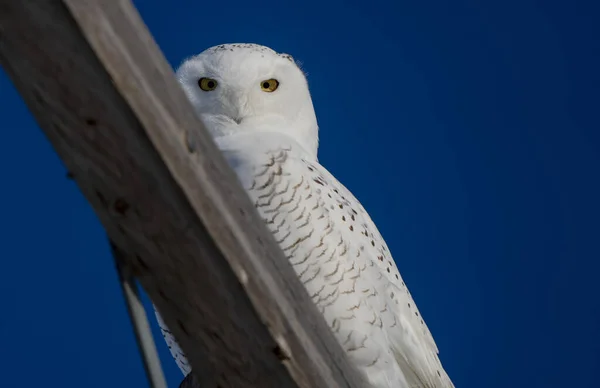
(269, 85)
(207, 84)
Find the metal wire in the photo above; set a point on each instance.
(141, 326)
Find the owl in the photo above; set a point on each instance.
(256, 104)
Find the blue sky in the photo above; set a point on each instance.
(469, 130)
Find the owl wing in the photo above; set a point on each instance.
(172, 344)
(411, 341)
(313, 216)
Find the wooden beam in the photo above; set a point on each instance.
(107, 100)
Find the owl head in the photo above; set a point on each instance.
(237, 88)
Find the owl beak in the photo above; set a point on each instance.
(239, 101)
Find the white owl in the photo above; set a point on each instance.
(256, 104)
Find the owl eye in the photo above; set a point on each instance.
(207, 84)
(269, 85)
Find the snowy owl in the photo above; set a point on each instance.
(257, 106)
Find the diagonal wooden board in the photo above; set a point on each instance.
(107, 100)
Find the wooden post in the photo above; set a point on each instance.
(107, 100)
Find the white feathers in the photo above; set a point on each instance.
(270, 139)
(239, 104)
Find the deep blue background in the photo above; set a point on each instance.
(470, 130)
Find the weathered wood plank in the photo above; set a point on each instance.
(107, 100)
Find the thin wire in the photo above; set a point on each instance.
(141, 327)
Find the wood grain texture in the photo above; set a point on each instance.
(107, 100)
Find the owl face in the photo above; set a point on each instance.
(244, 87)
